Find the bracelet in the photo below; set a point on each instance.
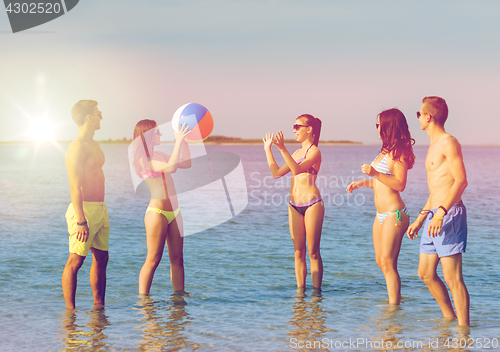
(444, 209)
(437, 217)
(424, 212)
(82, 223)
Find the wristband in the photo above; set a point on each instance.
(82, 223)
(437, 217)
(444, 209)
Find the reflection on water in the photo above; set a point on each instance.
(88, 337)
(386, 332)
(449, 336)
(385, 328)
(307, 325)
(165, 324)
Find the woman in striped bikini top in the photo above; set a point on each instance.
(392, 219)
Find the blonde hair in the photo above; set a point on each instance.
(81, 109)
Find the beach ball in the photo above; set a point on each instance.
(197, 118)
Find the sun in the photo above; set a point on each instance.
(41, 130)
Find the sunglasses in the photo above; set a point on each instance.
(296, 127)
(97, 113)
(424, 113)
(157, 132)
(377, 125)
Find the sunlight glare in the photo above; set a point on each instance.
(41, 130)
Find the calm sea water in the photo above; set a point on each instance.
(239, 275)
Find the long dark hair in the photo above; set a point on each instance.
(143, 145)
(315, 123)
(396, 137)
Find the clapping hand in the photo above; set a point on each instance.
(280, 140)
(268, 140)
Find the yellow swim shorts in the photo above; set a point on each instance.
(97, 217)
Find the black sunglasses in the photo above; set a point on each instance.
(297, 126)
(419, 114)
(376, 125)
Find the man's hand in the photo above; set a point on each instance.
(82, 233)
(435, 226)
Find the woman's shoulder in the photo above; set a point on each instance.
(315, 150)
(392, 159)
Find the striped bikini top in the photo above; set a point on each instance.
(311, 170)
(382, 166)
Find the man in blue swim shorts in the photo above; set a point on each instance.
(87, 215)
(453, 238)
(444, 216)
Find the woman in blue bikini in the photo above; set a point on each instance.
(163, 220)
(306, 208)
(389, 170)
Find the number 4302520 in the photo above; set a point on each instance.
(33, 7)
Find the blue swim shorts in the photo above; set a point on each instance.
(453, 237)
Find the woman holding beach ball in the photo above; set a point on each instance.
(163, 219)
(306, 209)
(389, 170)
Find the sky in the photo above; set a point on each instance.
(255, 65)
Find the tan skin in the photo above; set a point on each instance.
(158, 230)
(84, 161)
(303, 228)
(447, 180)
(387, 237)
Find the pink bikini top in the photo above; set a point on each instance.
(154, 174)
(311, 170)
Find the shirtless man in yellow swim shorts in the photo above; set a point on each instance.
(87, 215)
